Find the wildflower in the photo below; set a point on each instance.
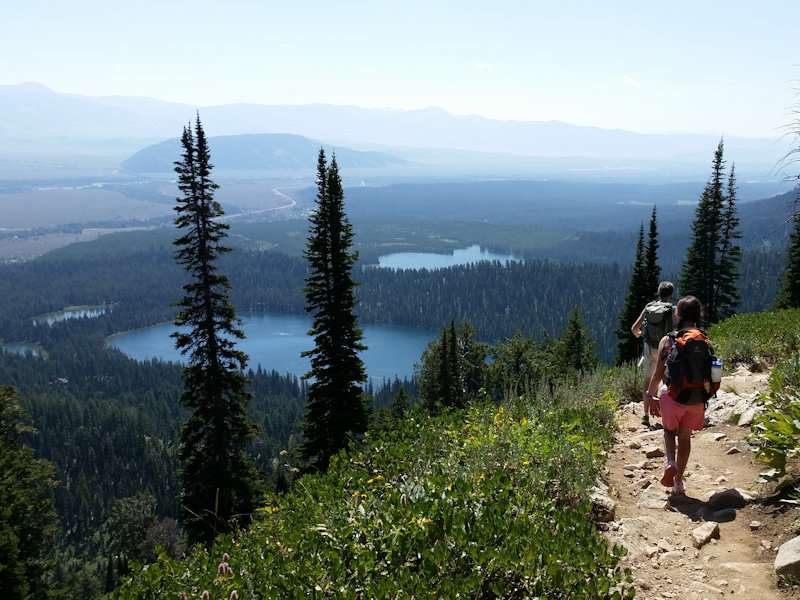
(234, 595)
(284, 453)
(182, 595)
(498, 417)
(206, 595)
(226, 557)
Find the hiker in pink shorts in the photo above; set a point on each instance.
(679, 420)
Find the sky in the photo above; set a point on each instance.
(727, 67)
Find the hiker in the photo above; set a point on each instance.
(682, 405)
(655, 322)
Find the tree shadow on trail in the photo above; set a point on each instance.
(721, 507)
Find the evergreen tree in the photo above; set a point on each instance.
(514, 366)
(789, 292)
(452, 369)
(640, 292)
(26, 512)
(400, 405)
(219, 485)
(726, 293)
(578, 347)
(710, 268)
(336, 412)
(652, 269)
(446, 393)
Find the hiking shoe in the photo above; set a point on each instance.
(678, 489)
(668, 478)
(646, 420)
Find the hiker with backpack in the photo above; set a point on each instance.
(656, 321)
(686, 362)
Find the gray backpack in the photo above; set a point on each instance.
(657, 322)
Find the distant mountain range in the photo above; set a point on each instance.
(33, 117)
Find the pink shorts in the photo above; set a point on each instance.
(675, 415)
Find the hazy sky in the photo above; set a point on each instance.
(728, 67)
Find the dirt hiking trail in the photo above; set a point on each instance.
(666, 535)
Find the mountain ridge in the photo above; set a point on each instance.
(32, 114)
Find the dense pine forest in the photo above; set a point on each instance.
(110, 424)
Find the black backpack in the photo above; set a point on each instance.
(688, 372)
(657, 322)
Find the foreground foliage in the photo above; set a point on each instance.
(489, 502)
(776, 431)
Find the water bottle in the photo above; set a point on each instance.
(716, 371)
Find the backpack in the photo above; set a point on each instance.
(688, 372)
(657, 322)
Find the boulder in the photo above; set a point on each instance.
(603, 507)
(787, 561)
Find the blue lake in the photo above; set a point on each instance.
(276, 341)
(429, 260)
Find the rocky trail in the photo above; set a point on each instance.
(721, 538)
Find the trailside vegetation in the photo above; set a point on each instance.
(484, 502)
(218, 482)
(710, 270)
(336, 411)
(759, 341)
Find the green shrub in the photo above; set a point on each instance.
(756, 338)
(777, 430)
(490, 502)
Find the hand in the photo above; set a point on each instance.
(655, 406)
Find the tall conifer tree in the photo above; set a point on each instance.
(219, 485)
(652, 269)
(336, 412)
(629, 348)
(710, 268)
(789, 291)
(726, 293)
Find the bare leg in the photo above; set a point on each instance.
(645, 399)
(669, 446)
(684, 448)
